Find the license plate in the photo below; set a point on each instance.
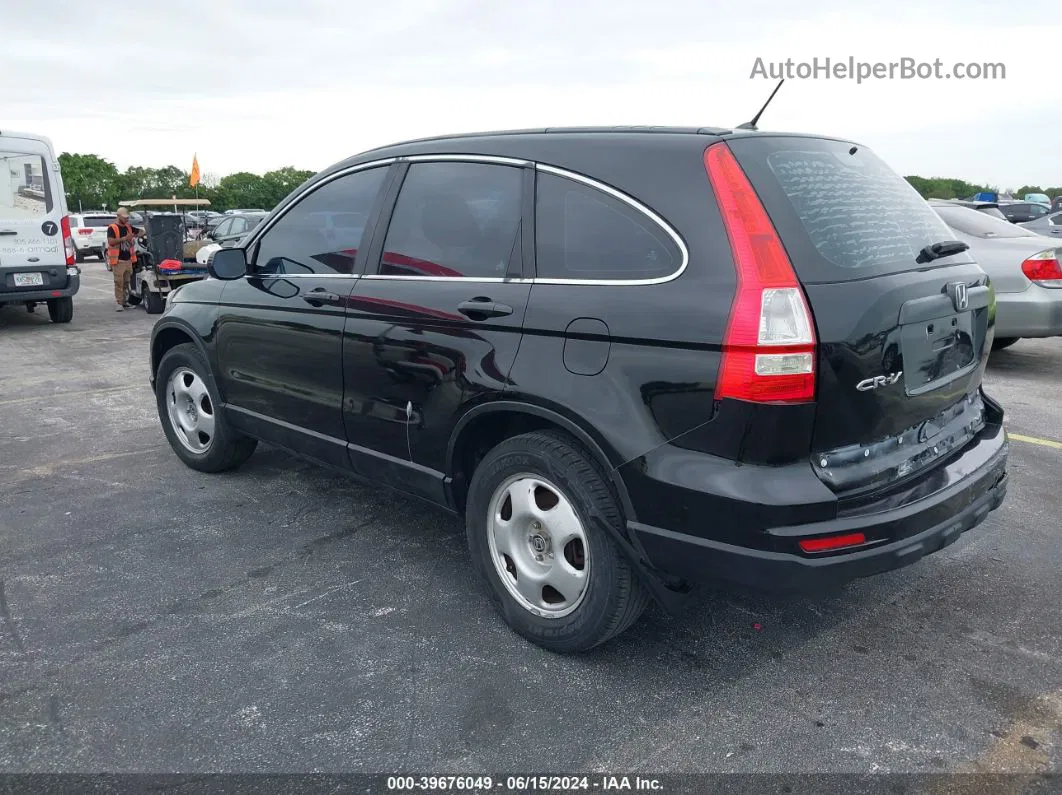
(29, 280)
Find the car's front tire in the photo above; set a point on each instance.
(539, 518)
(999, 343)
(190, 411)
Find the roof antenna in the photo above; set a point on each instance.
(751, 125)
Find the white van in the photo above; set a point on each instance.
(37, 253)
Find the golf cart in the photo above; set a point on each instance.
(165, 258)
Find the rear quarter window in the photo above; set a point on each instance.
(585, 233)
(840, 211)
(25, 191)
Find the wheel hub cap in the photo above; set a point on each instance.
(190, 410)
(538, 546)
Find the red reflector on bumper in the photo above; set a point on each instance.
(832, 542)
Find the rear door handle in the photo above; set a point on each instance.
(319, 297)
(483, 308)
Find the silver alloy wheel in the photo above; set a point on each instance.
(191, 410)
(538, 546)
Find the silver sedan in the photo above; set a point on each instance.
(1050, 225)
(1024, 268)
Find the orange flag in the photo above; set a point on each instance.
(195, 172)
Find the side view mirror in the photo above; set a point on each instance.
(228, 264)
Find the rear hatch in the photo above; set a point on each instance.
(903, 334)
(92, 232)
(32, 249)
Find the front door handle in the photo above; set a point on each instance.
(483, 308)
(320, 297)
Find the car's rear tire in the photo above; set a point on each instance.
(541, 508)
(154, 303)
(999, 343)
(79, 255)
(61, 310)
(190, 411)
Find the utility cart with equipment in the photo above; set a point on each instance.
(165, 256)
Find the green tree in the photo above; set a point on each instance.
(90, 181)
(278, 184)
(1020, 193)
(243, 190)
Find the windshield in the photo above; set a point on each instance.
(979, 224)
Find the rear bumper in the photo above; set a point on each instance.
(73, 284)
(896, 537)
(1036, 312)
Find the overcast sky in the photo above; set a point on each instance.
(258, 84)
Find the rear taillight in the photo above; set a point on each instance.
(1043, 268)
(68, 242)
(769, 348)
(83, 231)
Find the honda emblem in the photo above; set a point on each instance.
(959, 296)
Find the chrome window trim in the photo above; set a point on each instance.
(389, 277)
(496, 159)
(630, 201)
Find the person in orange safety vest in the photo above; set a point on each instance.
(121, 255)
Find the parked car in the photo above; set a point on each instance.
(242, 212)
(989, 208)
(1023, 266)
(89, 231)
(631, 359)
(1056, 204)
(1038, 198)
(38, 257)
(228, 232)
(1021, 212)
(1050, 225)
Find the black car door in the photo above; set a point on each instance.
(436, 320)
(279, 332)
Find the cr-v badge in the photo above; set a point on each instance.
(879, 380)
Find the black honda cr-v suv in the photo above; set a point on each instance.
(633, 359)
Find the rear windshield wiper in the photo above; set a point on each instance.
(945, 249)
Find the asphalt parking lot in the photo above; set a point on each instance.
(282, 618)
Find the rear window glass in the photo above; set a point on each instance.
(841, 212)
(100, 220)
(979, 224)
(24, 191)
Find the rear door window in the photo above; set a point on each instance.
(25, 191)
(457, 220)
(840, 211)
